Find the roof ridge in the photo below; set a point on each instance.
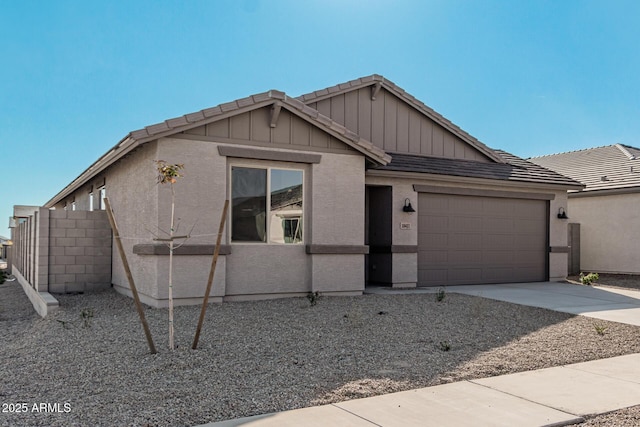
(626, 152)
(411, 100)
(573, 151)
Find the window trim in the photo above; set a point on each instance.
(268, 169)
(101, 205)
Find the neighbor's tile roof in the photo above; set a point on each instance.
(514, 168)
(603, 168)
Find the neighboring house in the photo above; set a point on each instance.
(354, 184)
(607, 209)
(4, 243)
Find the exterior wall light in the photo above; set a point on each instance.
(407, 206)
(562, 214)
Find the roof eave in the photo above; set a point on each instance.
(410, 99)
(183, 123)
(468, 179)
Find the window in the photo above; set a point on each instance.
(266, 205)
(102, 193)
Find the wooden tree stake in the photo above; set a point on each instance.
(216, 251)
(116, 235)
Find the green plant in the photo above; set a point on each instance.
(86, 314)
(600, 328)
(66, 324)
(3, 276)
(588, 279)
(440, 294)
(445, 346)
(313, 298)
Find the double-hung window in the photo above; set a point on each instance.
(266, 205)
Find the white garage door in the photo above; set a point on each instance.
(475, 240)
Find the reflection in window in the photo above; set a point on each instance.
(261, 194)
(102, 193)
(286, 206)
(249, 200)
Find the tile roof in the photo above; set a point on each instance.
(373, 79)
(610, 167)
(181, 123)
(178, 124)
(513, 168)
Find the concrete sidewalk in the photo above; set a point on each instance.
(546, 397)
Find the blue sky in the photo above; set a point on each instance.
(529, 77)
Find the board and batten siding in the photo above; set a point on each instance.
(255, 127)
(393, 125)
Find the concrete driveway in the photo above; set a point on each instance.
(617, 305)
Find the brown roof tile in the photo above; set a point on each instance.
(514, 168)
(195, 117)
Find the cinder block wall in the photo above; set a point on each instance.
(79, 251)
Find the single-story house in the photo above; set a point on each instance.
(355, 184)
(607, 209)
(4, 242)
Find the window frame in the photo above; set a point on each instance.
(102, 191)
(268, 169)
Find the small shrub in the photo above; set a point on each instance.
(3, 276)
(445, 346)
(86, 314)
(599, 328)
(588, 279)
(440, 295)
(313, 298)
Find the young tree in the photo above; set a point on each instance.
(169, 174)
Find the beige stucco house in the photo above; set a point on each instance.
(607, 209)
(355, 184)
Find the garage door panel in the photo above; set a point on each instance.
(502, 241)
(497, 207)
(460, 241)
(497, 274)
(433, 223)
(522, 243)
(463, 204)
(433, 258)
(464, 275)
(464, 223)
(527, 258)
(432, 277)
(472, 239)
(528, 226)
(497, 257)
(437, 241)
(498, 224)
(465, 258)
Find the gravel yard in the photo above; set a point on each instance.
(265, 356)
